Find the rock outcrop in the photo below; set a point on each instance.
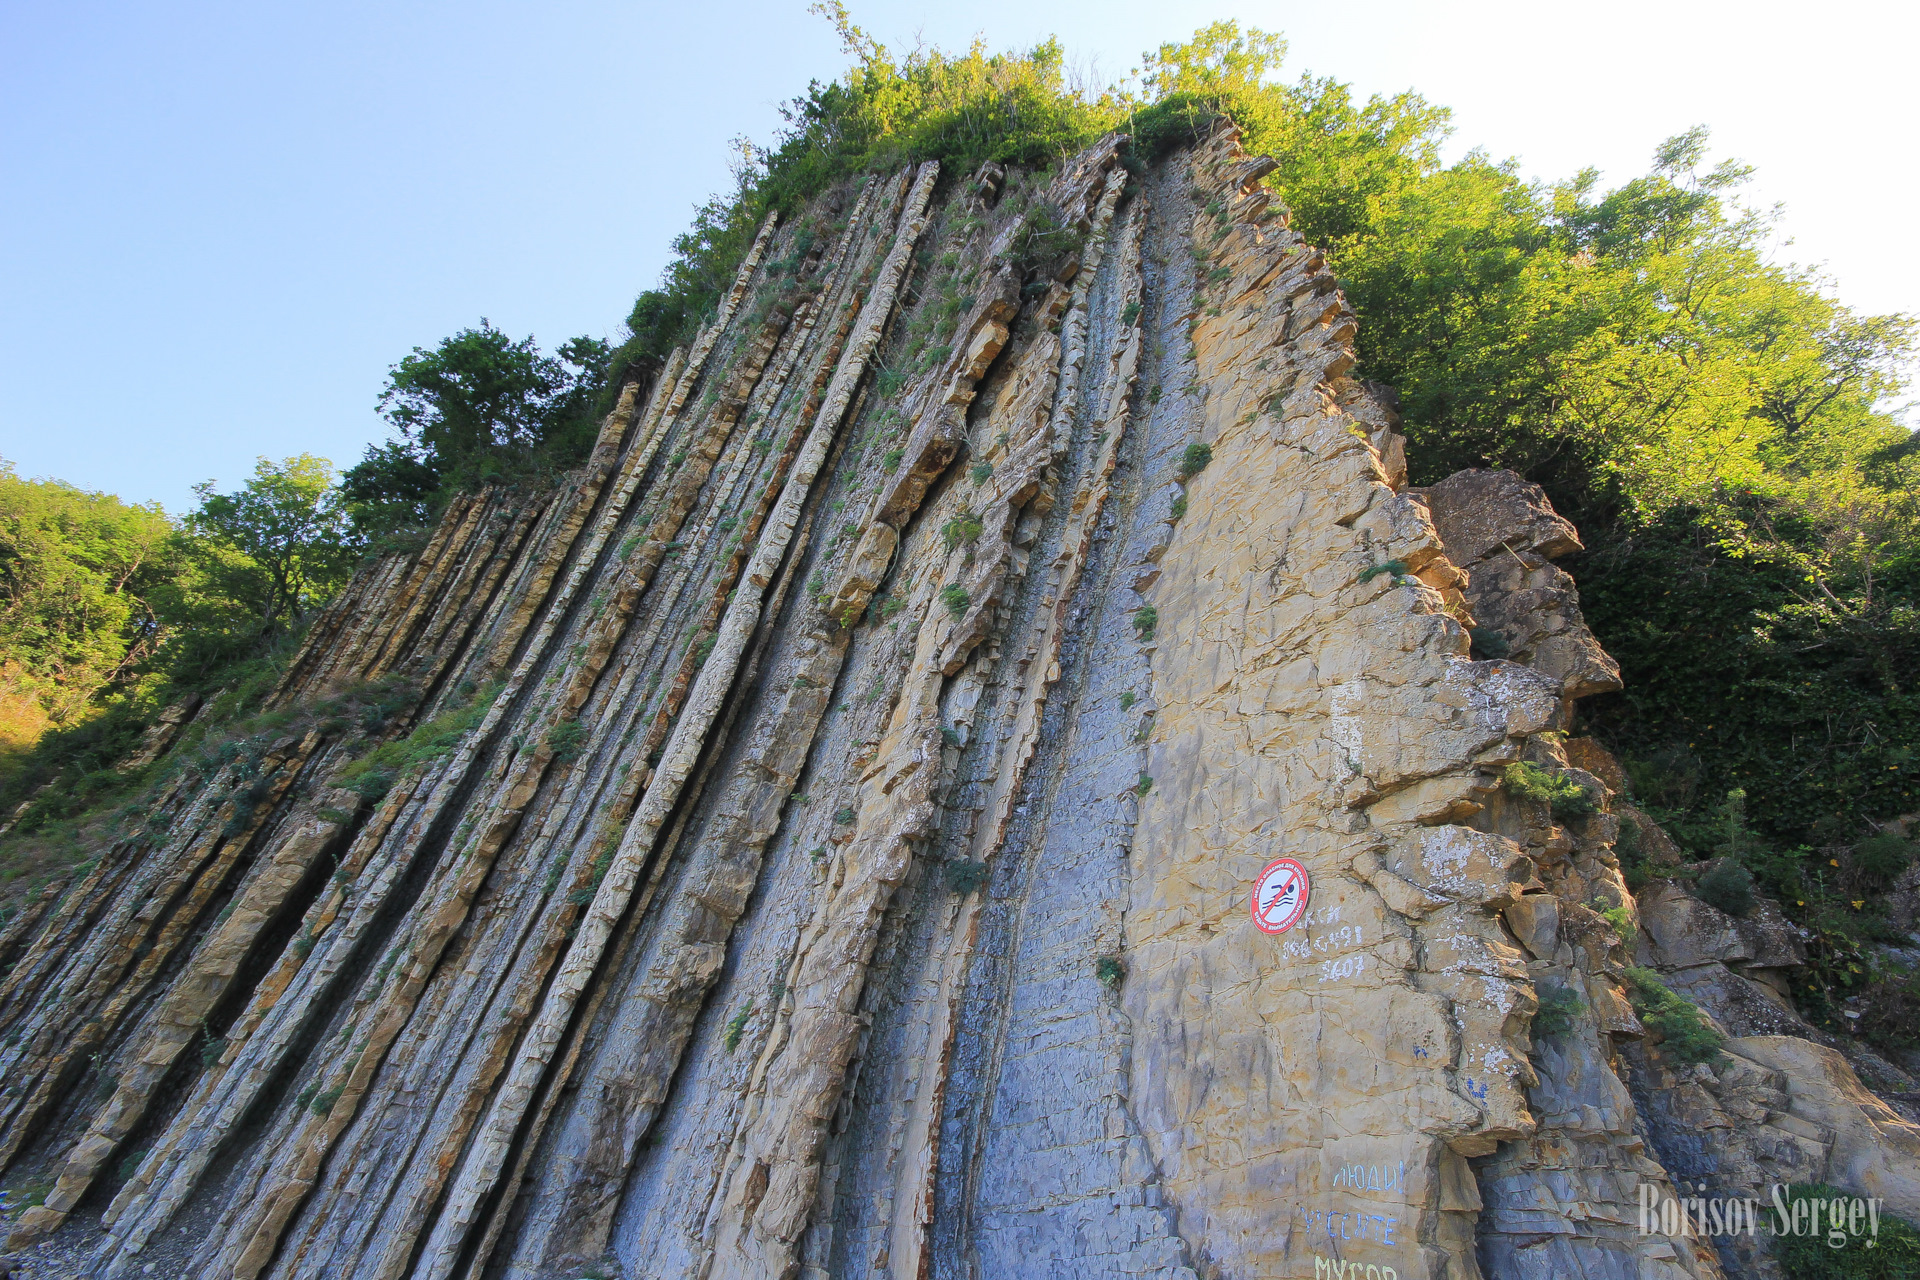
(818, 838)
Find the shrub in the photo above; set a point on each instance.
(955, 597)
(1530, 782)
(1130, 313)
(843, 816)
(1143, 786)
(1145, 619)
(1488, 644)
(1728, 886)
(965, 876)
(964, 527)
(1558, 1008)
(1622, 921)
(323, 1102)
(1890, 1012)
(566, 740)
(1110, 970)
(736, 1027)
(1372, 571)
(891, 459)
(1892, 1253)
(1879, 860)
(1178, 509)
(1127, 700)
(372, 775)
(1195, 460)
(211, 1048)
(981, 472)
(1677, 1021)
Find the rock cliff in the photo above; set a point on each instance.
(818, 838)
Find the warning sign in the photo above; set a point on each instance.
(1280, 896)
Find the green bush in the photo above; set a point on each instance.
(1558, 1008)
(965, 876)
(981, 472)
(964, 527)
(1681, 1029)
(1893, 1253)
(566, 740)
(1621, 920)
(1890, 1012)
(1177, 510)
(1195, 460)
(1729, 887)
(1145, 619)
(955, 597)
(736, 1027)
(1567, 798)
(1488, 643)
(373, 774)
(1372, 571)
(1879, 860)
(1109, 970)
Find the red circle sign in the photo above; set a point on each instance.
(1280, 896)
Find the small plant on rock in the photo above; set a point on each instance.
(1558, 1008)
(736, 1027)
(1109, 970)
(1880, 860)
(1195, 460)
(1488, 644)
(1729, 887)
(955, 597)
(964, 527)
(1530, 782)
(965, 876)
(566, 740)
(1395, 567)
(1622, 921)
(1683, 1030)
(1145, 619)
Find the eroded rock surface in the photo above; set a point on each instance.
(831, 821)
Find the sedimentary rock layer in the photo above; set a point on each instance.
(818, 838)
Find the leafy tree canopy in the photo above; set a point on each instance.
(76, 569)
(478, 407)
(289, 525)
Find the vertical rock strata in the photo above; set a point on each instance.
(817, 839)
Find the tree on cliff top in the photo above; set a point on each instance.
(479, 406)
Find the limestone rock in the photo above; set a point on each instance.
(831, 840)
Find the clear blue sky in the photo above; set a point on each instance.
(223, 221)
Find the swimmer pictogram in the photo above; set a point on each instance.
(1279, 896)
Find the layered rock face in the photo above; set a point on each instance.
(818, 839)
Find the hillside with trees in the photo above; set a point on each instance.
(1720, 426)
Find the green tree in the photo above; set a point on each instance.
(478, 406)
(289, 526)
(76, 571)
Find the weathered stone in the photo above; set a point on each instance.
(852, 873)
